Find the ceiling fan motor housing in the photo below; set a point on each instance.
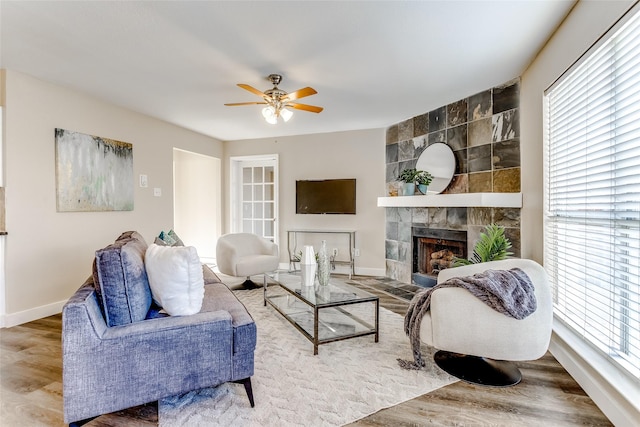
(275, 79)
(275, 94)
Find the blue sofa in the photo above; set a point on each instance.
(120, 351)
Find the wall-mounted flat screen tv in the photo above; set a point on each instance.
(327, 196)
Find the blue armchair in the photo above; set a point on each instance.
(110, 368)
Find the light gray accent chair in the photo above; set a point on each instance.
(477, 344)
(245, 255)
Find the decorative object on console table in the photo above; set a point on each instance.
(323, 265)
(308, 266)
(292, 246)
(423, 179)
(295, 258)
(408, 177)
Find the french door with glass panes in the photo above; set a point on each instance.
(256, 196)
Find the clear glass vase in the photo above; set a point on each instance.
(324, 267)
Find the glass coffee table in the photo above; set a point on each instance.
(323, 314)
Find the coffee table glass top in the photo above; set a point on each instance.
(327, 313)
(335, 292)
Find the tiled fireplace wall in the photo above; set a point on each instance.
(484, 133)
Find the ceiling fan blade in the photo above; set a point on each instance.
(235, 104)
(300, 93)
(251, 89)
(305, 107)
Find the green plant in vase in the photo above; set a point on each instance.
(492, 245)
(408, 177)
(295, 258)
(423, 179)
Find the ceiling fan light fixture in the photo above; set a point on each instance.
(270, 115)
(268, 112)
(286, 114)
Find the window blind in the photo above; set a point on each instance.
(592, 195)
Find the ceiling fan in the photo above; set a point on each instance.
(277, 100)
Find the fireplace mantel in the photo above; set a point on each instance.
(464, 200)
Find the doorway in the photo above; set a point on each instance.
(254, 195)
(197, 188)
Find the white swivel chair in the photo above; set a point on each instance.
(475, 342)
(246, 254)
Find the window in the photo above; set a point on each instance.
(254, 195)
(592, 195)
(258, 200)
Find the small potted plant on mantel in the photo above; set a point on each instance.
(423, 179)
(408, 177)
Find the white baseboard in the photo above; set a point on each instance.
(14, 319)
(617, 395)
(374, 272)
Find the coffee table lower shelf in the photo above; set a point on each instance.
(325, 322)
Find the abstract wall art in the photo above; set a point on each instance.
(93, 174)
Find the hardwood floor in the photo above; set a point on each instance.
(546, 396)
(31, 388)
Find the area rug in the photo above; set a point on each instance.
(346, 381)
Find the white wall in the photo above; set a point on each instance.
(49, 254)
(353, 154)
(197, 195)
(585, 24)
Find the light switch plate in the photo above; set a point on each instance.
(157, 192)
(144, 181)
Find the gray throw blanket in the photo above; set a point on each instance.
(509, 292)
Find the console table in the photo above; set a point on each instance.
(292, 247)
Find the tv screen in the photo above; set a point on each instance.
(327, 196)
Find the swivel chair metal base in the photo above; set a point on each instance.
(478, 370)
(249, 284)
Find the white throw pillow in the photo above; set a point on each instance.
(175, 277)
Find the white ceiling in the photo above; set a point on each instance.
(373, 63)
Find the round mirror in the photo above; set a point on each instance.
(439, 161)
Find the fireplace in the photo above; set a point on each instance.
(434, 250)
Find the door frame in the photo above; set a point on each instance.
(236, 163)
